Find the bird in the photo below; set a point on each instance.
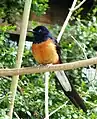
(46, 50)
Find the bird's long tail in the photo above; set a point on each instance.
(70, 91)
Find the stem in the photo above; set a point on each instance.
(80, 47)
(46, 95)
(19, 54)
(58, 108)
(66, 21)
(78, 6)
(16, 115)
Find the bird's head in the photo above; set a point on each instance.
(41, 33)
(40, 30)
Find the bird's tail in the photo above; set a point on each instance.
(70, 91)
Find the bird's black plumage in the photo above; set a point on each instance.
(41, 34)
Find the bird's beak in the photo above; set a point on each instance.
(30, 30)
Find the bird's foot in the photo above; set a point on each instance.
(48, 65)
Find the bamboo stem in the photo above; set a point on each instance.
(19, 54)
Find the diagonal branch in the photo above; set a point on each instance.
(72, 9)
(66, 21)
(79, 5)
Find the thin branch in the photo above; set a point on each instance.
(58, 108)
(39, 69)
(10, 79)
(16, 115)
(80, 46)
(92, 83)
(66, 21)
(46, 94)
(72, 9)
(80, 4)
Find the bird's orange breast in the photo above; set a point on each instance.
(45, 52)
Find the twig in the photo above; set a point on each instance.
(46, 94)
(79, 46)
(72, 9)
(92, 83)
(58, 108)
(16, 115)
(66, 21)
(10, 79)
(14, 83)
(39, 69)
(78, 6)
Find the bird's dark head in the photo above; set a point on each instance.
(41, 33)
(40, 30)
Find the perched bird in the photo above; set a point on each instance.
(46, 50)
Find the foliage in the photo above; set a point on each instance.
(29, 103)
(39, 6)
(11, 10)
(86, 11)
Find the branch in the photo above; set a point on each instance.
(72, 9)
(16, 115)
(58, 108)
(80, 46)
(66, 21)
(10, 79)
(78, 6)
(47, 74)
(39, 69)
(15, 78)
